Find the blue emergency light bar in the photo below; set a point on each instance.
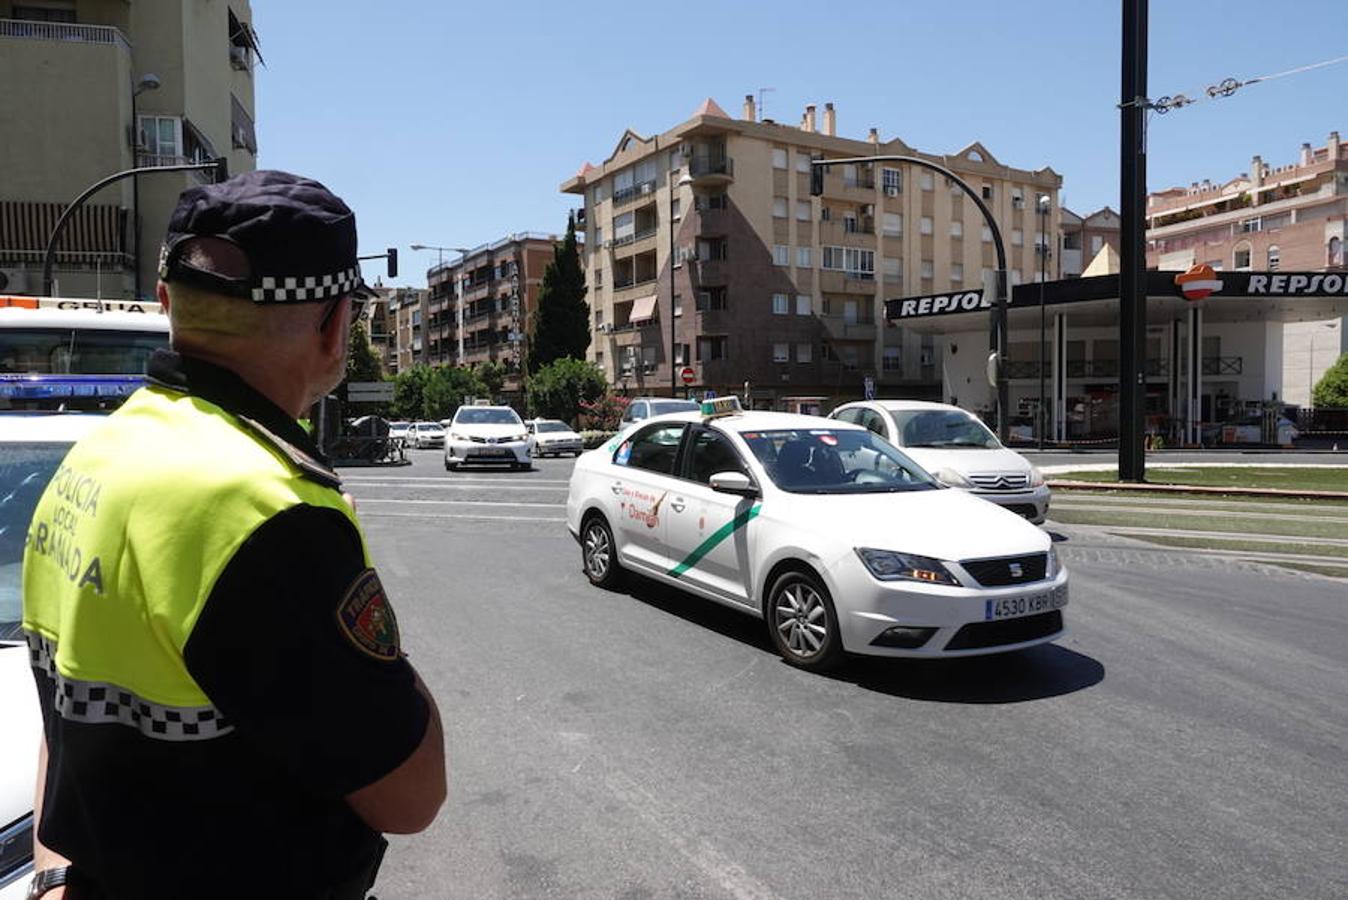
(57, 387)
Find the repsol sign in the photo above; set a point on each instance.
(1298, 284)
(936, 304)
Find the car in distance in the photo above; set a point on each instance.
(487, 434)
(551, 437)
(642, 408)
(423, 435)
(957, 448)
(399, 430)
(821, 528)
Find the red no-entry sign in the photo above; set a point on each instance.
(688, 375)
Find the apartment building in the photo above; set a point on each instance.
(94, 87)
(711, 225)
(405, 320)
(1082, 238)
(480, 306)
(381, 327)
(1291, 217)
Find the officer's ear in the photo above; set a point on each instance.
(331, 327)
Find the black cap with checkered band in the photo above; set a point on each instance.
(298, 238)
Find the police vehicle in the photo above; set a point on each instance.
(32, 446)
(57, 356)
(822, 528)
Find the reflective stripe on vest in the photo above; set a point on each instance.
(127, 543)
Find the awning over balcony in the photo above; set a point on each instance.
(93, 230)
(643, 308)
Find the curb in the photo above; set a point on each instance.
(1194, 489)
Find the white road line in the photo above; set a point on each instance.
(441, 486)
(431, 515)
(367, 500)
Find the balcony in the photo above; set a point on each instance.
(709, 170)
(832, 281)
(630, 284)
(839, 328)
(848, 232)
(709, 271)
(64, 32)
(634, 243)
(629, 195)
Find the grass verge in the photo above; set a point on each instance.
(1079, 499)
(1229, 522)
(1250, 546)
(1290, 478)
(1330, 570)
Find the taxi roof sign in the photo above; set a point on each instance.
(717, 407)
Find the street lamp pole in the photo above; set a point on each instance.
(148, 82)
(998, 329)
(1042, 247)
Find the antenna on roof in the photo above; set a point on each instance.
(761, 107)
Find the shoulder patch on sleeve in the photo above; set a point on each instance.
(365, 618)
(309, 467)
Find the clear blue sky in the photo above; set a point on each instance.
(453, 123)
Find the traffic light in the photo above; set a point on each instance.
(392, 262)
(221, 169)
(817, 176)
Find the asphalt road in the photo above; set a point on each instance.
(1186, 739)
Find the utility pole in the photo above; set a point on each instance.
(1132, 247)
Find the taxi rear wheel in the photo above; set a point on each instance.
(598, 554)
(802, 622)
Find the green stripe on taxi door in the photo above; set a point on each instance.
(715, 538)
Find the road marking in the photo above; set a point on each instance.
(457, 478)
(368, 500)
(455, 487)
(431, 515)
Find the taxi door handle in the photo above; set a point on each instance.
(616, 488)
(677, 504)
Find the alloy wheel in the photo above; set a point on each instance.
(801, 619)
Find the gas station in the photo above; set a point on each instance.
(1214, 349)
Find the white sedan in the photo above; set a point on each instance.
(957, 448)
(487, 434)
(836, 539)
(553, 438)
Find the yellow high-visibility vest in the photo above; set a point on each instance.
(128, 541)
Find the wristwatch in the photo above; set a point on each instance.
(46, 880)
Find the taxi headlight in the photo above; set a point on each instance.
(519, 437)
(888, 565)
(951, 478)
(455, 436)
(1054, 565)
(1036, 477)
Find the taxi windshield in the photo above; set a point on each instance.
(842, 461)
(487, 416)
(661, 407)
(25, 470)
(943, 428)
(547, 427)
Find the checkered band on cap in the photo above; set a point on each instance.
(98, 703)
(303, 289)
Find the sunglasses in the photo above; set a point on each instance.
(357, 309)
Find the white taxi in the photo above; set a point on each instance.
(487, 434)
(826, 531)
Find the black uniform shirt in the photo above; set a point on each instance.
(259, 812)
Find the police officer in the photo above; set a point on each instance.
(227, 709)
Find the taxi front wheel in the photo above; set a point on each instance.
(598, 555)
(802, 622)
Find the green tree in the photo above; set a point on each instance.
(362, 362)
(445, 390)
(492, 374)
(557, 390)
(1332, 388)
(562, 321)
(408, 388)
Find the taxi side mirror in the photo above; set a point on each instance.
(734, 483)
